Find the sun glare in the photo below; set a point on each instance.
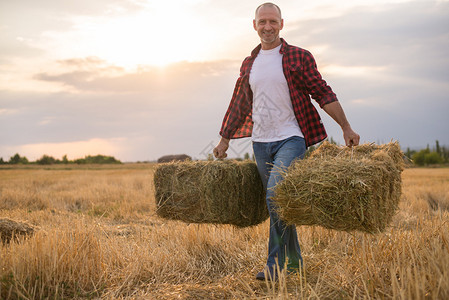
(159, 35)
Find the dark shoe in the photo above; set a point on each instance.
(260, 276)
(270, 273)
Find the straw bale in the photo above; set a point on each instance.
(10, 229)
(173, 157)
(217, 192)
(343, 188)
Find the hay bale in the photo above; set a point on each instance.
(217, 192)
(10, 229)
(343, 188)
(173, 157)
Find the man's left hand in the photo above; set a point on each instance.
(351, 137)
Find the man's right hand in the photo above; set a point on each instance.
(221, 148)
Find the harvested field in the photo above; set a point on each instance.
(99, 237)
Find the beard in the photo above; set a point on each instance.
(269, 38)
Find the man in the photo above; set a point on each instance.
(271, 103)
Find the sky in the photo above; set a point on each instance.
(139, 79)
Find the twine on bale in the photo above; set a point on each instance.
(217, 192)
(343, 188)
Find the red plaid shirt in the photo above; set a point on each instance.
(303, 81)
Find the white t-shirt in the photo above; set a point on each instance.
(272, 113)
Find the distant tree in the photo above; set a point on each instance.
(64, 159)
(46, 160)
(98, 159)
(14, 159)
(426, 157)
(419, 158)
(433, 158)
(2, 162)
(445, 153)
(437, 147)
(17, 159)
(409, 152)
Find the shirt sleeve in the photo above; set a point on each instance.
(315, 85)
(237, 122)
(232, 117)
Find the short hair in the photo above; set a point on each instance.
(269, 4)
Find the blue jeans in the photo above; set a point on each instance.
(272, 158)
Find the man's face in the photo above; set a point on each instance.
(268, 23)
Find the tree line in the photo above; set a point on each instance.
(424, 157)
(436, 155)
(49, 160)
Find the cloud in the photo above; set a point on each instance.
(91, 63)
(4, 111)
(160, 111)
(11, 48)
(185, 77)
(80, 7)
(409, 38)
(387, 64)
(23, 24)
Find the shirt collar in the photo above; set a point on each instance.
(284, 47)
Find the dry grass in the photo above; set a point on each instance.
(99, 237)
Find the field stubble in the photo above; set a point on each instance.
(98, 237)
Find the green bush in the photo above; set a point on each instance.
(98, 159)
(17, 159)
(46, 160)
(426, 157)
(419, 157)
(433, 158)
